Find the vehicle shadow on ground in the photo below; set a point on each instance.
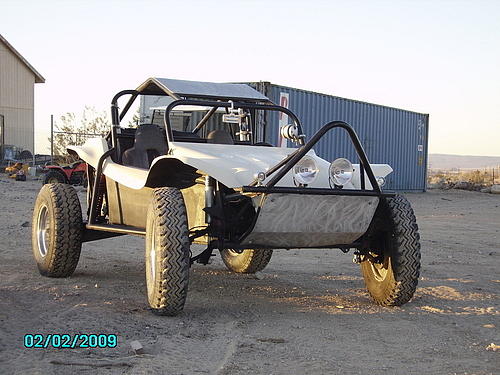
(343, 294)
(213, 288)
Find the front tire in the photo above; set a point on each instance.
(392, 280)
(246, 261)
(54, 177)
(167, 252)
(57, 230)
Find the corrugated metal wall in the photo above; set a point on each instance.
(389, 135)
(16, 100)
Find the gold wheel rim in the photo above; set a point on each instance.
(380, 270)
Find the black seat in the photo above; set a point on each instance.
(220, 137)
(149, 143)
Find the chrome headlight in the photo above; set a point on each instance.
(341, 171)
(380, 181)
(305, 171)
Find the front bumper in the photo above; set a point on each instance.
(314, 220)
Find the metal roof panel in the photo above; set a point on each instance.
(196, 89)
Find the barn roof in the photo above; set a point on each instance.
(38, 77)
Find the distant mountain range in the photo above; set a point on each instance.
(445, 161)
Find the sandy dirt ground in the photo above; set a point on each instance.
(309, 313)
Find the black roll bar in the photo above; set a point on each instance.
(245, 105)
(205, 118)
(292, 159)
(115, 115)
(128, 105)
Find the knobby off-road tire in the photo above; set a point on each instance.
(167, 252)
(393, 282)
(248, 261)
(57, 230)
(53, 177)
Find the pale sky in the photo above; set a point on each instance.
(436, 57)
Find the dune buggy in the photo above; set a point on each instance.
(205, 175)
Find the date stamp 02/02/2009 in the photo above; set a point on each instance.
(70, 341)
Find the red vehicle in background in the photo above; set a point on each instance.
(73, 174)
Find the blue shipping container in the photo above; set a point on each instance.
(389, 135)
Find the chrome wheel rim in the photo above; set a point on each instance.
(43, 231)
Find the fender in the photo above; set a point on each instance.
(233, 165)
(94, 148)
(238, 165)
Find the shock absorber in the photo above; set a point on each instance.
(209, 196)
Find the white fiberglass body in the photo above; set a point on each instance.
(233, 165)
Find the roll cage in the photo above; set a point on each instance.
(117, 116)
(238, 96)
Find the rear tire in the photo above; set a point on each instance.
(167, 252)
(393, 281)
(54, 177)
(248, 261)
(57, 230)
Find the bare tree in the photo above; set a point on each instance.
(71, 130)
(136, 118)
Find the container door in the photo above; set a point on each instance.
(423, 152)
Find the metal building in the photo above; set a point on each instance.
(17, 79)
(389, 135)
